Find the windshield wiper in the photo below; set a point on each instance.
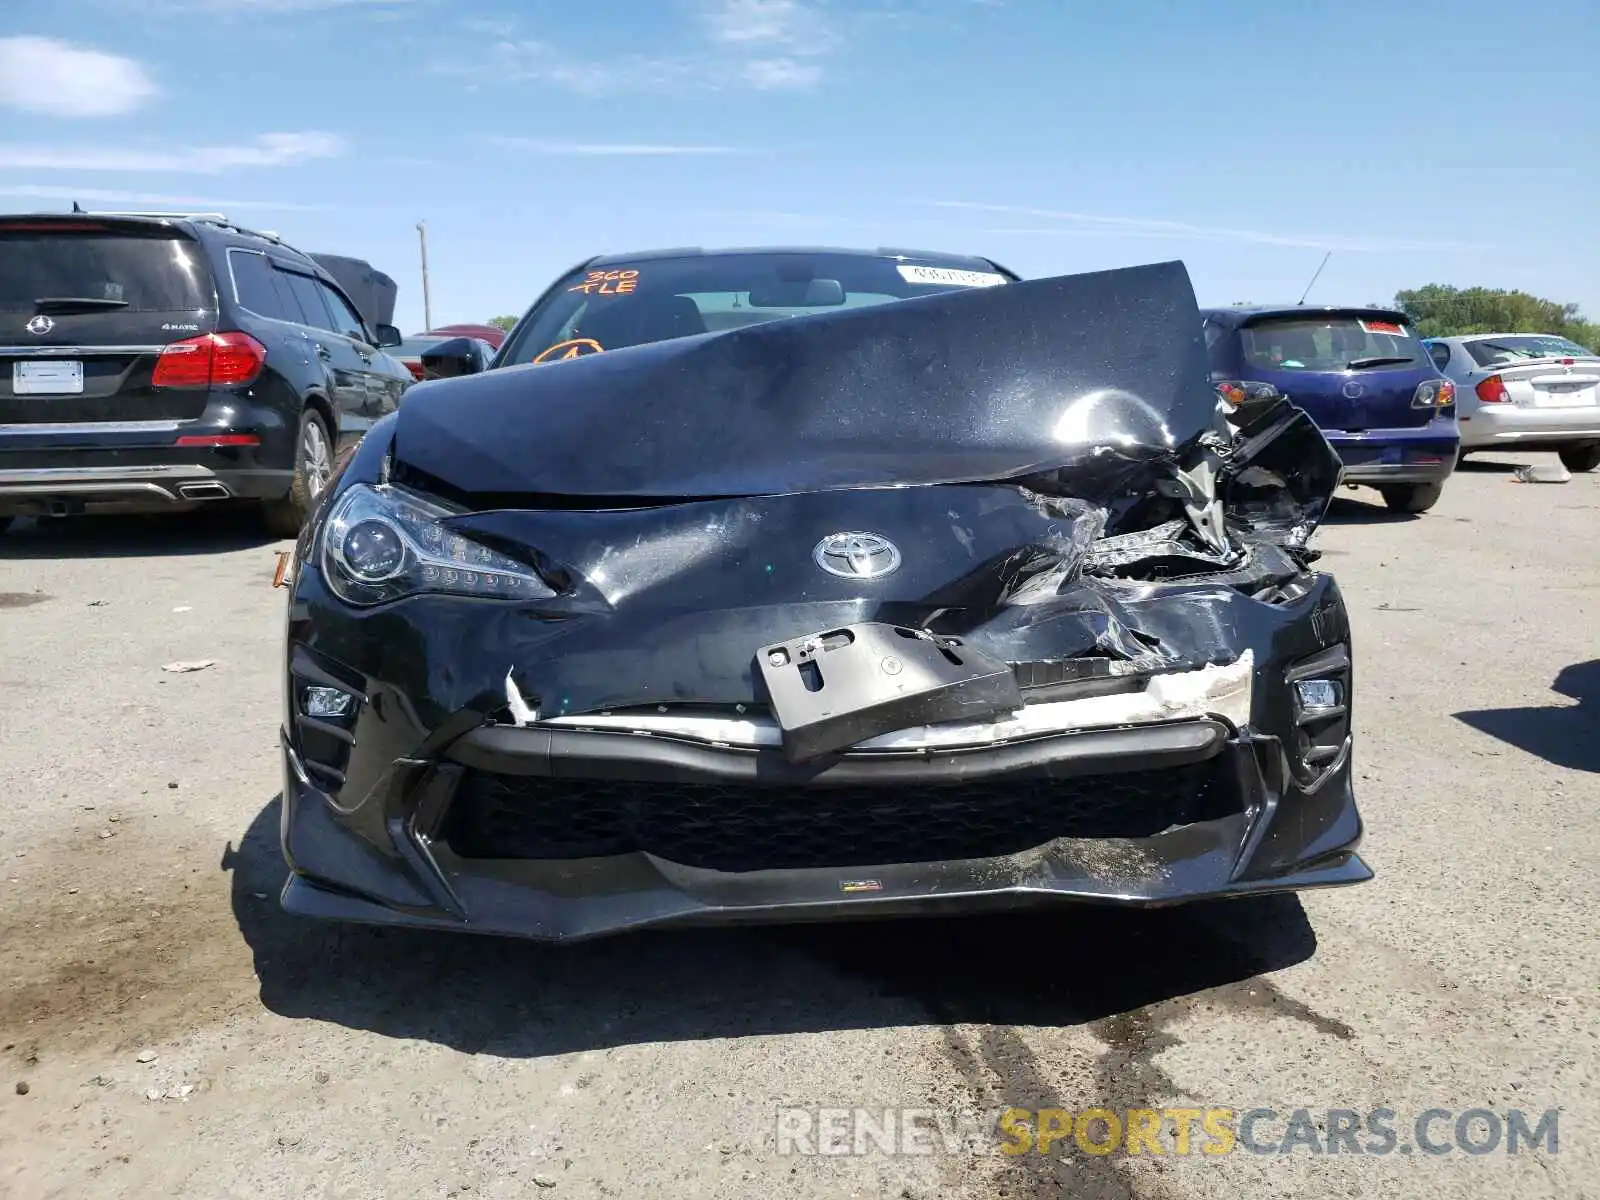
(1381, 360)
(71, 304)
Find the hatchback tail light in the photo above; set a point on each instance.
(1434, 393)
(211, 360)
(1493, 390)
(415, 368)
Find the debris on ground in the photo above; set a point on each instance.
(145, 1056)
(22, 1087)
(184, 668)
(184, 608)
(98, 603)
(1544, 473)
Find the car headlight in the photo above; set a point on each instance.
(381, 543)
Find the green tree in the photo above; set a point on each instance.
(502, 322)
(1439, 310)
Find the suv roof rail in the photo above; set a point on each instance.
(170, 216)
(220, 220)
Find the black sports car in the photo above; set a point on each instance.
(903, 603)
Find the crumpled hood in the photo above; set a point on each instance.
(988, 384)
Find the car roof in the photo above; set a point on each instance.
(1240, 315)
(204, 227)
(1478, 337)
(966, 262)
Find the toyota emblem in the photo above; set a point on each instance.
(40, 325)
(857, 555)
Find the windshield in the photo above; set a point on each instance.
(122, 272)
(662, 298)
(1328, 343)
(1501, 351)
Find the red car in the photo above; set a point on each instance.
(410, 351)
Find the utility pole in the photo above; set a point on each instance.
(427, 306)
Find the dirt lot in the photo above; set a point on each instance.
(139, 916)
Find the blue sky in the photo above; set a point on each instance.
(1421, 142)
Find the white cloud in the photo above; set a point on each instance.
(1077, 224)
(607, 149)
(268, 150)
(185, 203)
(253, 7)
(767, 45)
(780, 74)
(800, 27)
(534, 60)
(60, 79)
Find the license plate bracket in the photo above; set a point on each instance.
(832, 689)
(47, 377)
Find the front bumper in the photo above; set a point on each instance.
(1426, 454)
(1277, 842)
(561, 831)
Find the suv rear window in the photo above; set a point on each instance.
(129, 272)
(1505, 351)
(1328, 343)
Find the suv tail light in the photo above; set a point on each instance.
(1493, 390)
(1434, 393)
(211, 360)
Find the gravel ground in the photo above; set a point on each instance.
(168, 1031)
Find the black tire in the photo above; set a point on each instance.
(1581, 458)
(1411, 497)
(313, 467)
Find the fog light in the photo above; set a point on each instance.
(331, 702)
(1317, 694)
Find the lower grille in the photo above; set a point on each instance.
(742, 827)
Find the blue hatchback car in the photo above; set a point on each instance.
(1363, 376)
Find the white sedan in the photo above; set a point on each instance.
(1524, 391)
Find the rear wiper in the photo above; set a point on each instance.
(1382, 360)
(71, 304)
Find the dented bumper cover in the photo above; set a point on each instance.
(1122, 682)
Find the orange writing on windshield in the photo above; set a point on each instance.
(572, 348)
(608, 283)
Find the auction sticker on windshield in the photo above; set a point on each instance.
(608, 283)
(950, 277)
(571, 348)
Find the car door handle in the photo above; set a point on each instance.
(324, 353)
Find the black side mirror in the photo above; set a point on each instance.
(388, 336)
(458, 356)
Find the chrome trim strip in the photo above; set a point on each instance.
(95, 427)
(9, 490)
(52, 475)
(1221, 691)
(78, 351)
